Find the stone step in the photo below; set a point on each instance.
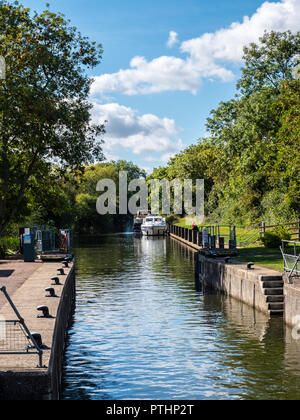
(272, 284)
(275, 298)
(276, 306)
(271, 278)
(276, 312)
(277, 291)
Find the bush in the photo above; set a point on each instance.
(172, 219)
(274, 239)
(283, 233)
(271, 240)
(8, 246)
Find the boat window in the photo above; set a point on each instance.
(149, 220)
(157, 220)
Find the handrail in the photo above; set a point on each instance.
(22, 323)
(289, 271)
(247, 233)
(248, 239)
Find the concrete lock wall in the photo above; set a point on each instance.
(249, 286)
(292, 304)
(65, 310)
(233, 280)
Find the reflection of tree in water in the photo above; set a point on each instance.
(180, 259)
(256, 359)
(142, 292)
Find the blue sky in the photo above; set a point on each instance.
(155, 94)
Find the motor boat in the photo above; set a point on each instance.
(154, 226)
(138, 220)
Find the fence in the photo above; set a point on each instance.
(255, 233)
(292, 228)
(15, 337)
(207, 237)
(291, 256)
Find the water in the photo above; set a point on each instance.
(143, 330)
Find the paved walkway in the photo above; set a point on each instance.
(13, 273)
(29, 281)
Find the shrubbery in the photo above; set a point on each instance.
(274, 239)
(172, 219)
(8, 246)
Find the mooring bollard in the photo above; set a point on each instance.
(221, 243)
(56, 281)
(51, 292)
(45, 311)
(37, 338)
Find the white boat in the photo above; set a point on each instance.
(138, 220)
(154, 226)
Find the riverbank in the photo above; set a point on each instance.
(20, 378)
(261, 256)
(259, 287)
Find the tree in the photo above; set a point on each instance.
(286, 170)
(270, 62)
(86, 218)
(44, 109)
(250, 159)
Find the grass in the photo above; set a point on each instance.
(261, 256)
(224, 231)
(257, 253)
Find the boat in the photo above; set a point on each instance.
(138, 221)
(154, 226)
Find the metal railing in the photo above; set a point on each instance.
(291, 256)
(15, 337)
(251, 236)
(208, 237)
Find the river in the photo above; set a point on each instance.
(144, 329)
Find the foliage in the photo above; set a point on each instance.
(270, 62)
(44, 108)
(8, 245)
(250, 157)
(69, 200)
(283, 233)
(172, 219)
(271, 240)
(274, 239)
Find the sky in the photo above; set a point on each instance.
(166, 65)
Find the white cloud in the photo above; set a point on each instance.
(207, 56)
(173, 39)
(226, 45)
(144, 77)
(139, 134)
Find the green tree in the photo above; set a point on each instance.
(250, 159)
(270, 62)
(44, 109)
(86, 219)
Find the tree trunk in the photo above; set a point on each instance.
(7, 219)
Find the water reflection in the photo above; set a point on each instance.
(142, 330)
